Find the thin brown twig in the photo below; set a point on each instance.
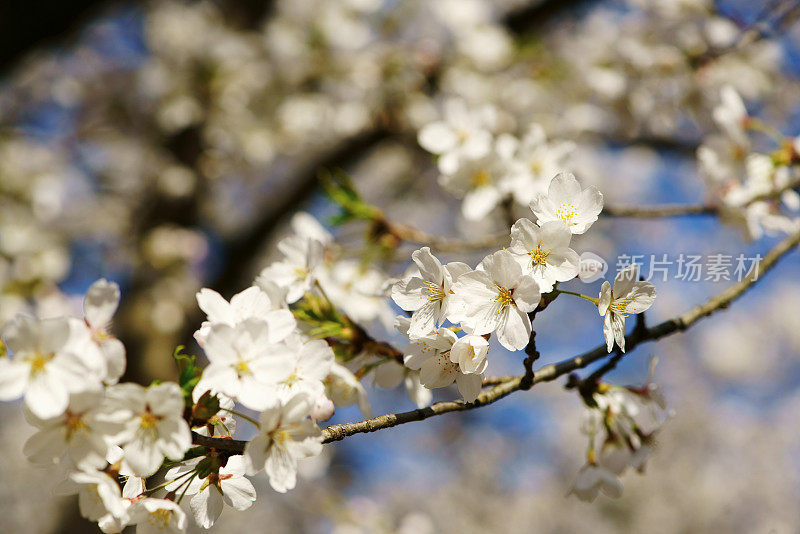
(677, 210)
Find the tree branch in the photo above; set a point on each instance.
(665, 210)
(507, 385)
(673, 210)
(445, 244)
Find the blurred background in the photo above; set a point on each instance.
(165, 145)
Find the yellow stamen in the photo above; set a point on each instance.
(481, 178)
(148, 420)
(291, 379)
(242, 368)
(74, 423)
(504, 297)
(539, 255)
(620, 307)
(161, 518)
(38, 362)
(432, 292)
(281, 436)
(567, 212)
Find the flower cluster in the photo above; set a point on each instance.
(485, 167)
(108, 437)
(501, 294)
(755, 188)
(621, 424)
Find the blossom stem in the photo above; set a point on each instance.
(186, 483)
(757, 125)
(590, 299)
(243, 416)
(168, 482)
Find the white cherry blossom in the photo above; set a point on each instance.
(153, 424)
(252, 303)
(99, 306)
(99, 498)
(469, 352)
(286, 435)
(46, 365)
(391, 374)
(244, 364)
(566, 202)
(298, 270)
(208, 495)
(535, 162)
(592, 479)
(82, 433)
(308, 364)
(428, 295)
(482, 183)
(498, 297)
(544, 253)
(462, 133)
(731, 116)
(344, 389)
(628, 296)
(157, 516)
(430, 355)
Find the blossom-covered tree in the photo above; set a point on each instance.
(188, 326)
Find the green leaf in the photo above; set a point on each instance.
(340, 189)
(188, 372)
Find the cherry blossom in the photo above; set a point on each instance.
(46, 366)
(157, 516)
(153, 424)
(593, 479)
(544, 253)
(285, 435)
(344, 389)
(308, 363)
(298, 270)
(430, 294)
(99, 498)
(81, 433)
(430, 355)
(498, 297)
(244, 364)
(482, 183)
(628, 296)
(252, 303)
(99, 306)
(566, 202)
(469, 352)
(535, 161)
(462, 133)
(228, 486)
(731, 116)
